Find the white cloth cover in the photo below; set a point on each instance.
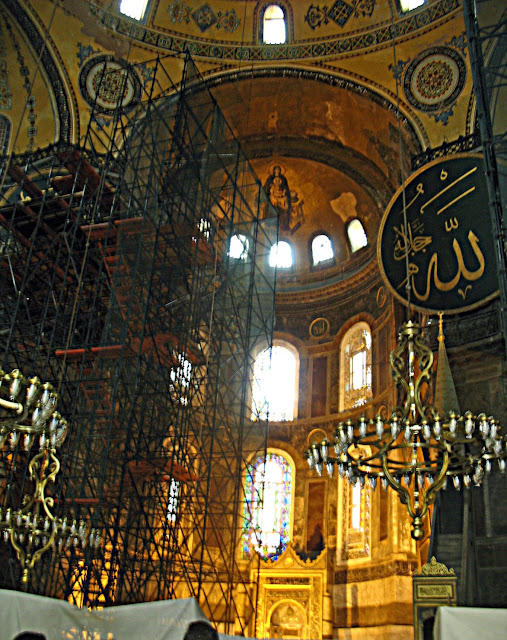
(56, 619)
(469, 623)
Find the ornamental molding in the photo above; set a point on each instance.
(434, 568)
(404, 28)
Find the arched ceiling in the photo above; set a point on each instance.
(323, 107)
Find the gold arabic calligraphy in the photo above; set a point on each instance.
(462, 270)
(406, 243)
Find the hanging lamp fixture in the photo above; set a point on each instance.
(416, 451)
(28, 420)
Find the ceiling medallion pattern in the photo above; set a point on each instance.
(433, 81)
(384, 34)
(106, 83)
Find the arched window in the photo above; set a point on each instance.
(410, 5)
(355, 507)
(238, 247)
(180, 379)
(274, 28)
(134, 8)
(355, 369)
(268, 505)
(172, 500)
(280, 255)
(274, 384)
(322, 249)
(357, 235)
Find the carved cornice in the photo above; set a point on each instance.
(377, 572)
(290, 559)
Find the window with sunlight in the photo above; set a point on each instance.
(238, 247)
(356, 367)
(322, 249)
(172, 503)
(357, 235)
(180, 379)
(274, 30)
(280, 255)
(134, 8)
(268, 504)
(409, 5)
(274, 385)
(355, 506)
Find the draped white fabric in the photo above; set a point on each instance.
(164, 620)
(470, 623)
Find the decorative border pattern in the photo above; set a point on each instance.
(5, 90)
(34, 37)
(306, 50)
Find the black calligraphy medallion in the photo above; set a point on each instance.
(447, 249)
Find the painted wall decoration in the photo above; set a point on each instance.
(287, 203)
(447, 249)
(5, 134)
(61, 96)
(433, 13)
(433, 80)
(204, 16)
(24, 72)
(340, 12)
(103, 83)
(5, 90)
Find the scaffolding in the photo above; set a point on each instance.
(121, 282)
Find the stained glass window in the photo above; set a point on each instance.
(356, 367)
(357, 235)
(274, 385)
(322, 249)
(273, 25)
(268, 504)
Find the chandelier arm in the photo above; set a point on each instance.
(11, 406)
(31, 559)
(398, 487)
(20, 554)
(431, 493)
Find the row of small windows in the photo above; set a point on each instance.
(273, 17)
(275, 376)
(281, 255)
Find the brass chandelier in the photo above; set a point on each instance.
(416, 451)
(28, 420)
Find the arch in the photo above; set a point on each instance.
(275, 383)
(281, 255)
(322, 250)
(287, 618)
(267, 509)
(259, 17)
(356, 235)
(356, 367)
(65, 104)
